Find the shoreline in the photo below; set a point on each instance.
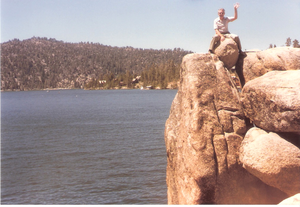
(58, 89)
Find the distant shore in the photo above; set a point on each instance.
(57, 89)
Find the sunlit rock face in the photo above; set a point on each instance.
(272, 159)
(203, 135)
(228, 52)
(256, 64)
(272, 101)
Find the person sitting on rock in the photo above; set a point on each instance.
(221, 28)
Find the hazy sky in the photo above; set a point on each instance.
(157, 24)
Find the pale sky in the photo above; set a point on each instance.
(156, 24)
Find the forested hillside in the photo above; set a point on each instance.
(42, 63)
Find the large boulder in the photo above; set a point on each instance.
(228, 52)
(256, 64)
(203, 134)
(272, 101)
(272, 159)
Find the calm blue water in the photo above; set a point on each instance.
(84, 147)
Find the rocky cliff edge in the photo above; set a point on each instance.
(231, 145)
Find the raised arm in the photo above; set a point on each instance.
(236, 6)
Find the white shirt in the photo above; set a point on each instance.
(222, 25)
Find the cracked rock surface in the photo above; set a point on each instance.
(203, 134)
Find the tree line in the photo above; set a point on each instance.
(42, 63)
(288, 43)
(162, 76)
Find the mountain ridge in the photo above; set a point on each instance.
(41, 63)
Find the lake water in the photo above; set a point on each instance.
(84, 147)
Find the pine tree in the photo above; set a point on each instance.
(288, 42)
(296, 44)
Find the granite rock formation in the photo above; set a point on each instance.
(272, 159)
(228, 52)
(203, 136)
(256, 64)
(272, 101)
